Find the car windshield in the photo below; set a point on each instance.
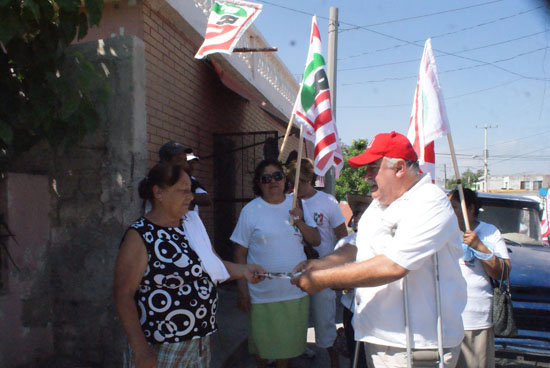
(516, 223)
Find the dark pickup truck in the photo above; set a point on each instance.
(518, 219)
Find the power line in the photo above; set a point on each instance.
(446, 98)
(457, 52)
(445, 34)
(422, 16)
(413, 43)
(481, 63)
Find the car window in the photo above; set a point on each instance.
(516, 223)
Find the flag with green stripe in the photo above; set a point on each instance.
(313, 109)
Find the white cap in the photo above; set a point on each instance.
(191, 157)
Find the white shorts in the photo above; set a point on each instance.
(323, 312)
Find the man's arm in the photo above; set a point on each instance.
(341, 256)
(340, 231)
(379, 270)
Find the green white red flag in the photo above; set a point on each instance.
(429, 117)
(227, 22)
(313, 109)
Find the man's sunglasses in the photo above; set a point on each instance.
(266, 178)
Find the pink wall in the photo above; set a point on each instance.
(27, 198)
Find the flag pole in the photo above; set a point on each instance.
(287, 133)
(298, 167)
(459, 183)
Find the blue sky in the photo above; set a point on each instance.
(378, 65)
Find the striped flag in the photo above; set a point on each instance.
(429, 117)
(545, 222)
(226, 24)
(313, 109)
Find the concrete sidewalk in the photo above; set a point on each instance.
(230, 345)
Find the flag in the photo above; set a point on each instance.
(313, 109)
(545, 222)
(429, 117)
(226, 24)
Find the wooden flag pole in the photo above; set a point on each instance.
(298, 167)
(287, 133)
(257, 49)
(459, 184)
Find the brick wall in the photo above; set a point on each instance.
(187, 102)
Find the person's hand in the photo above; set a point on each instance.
(243, 300)
(296, 214)
(308, 264)
(307, 282)
(252, 273)
(146, 358)
(472, 240)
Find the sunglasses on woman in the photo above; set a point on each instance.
(267, 178)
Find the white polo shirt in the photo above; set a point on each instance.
(409, 231)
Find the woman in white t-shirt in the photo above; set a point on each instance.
(484, 256)
(277, 310)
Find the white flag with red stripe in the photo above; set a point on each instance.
(313, 109)
(545, 222)
(226, 24)
(429, 117)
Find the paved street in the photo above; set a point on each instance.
(231, 350)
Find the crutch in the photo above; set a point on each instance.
(356, 353)
(439, 325)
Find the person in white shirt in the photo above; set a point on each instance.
(484, 255)
(408, 222)
(332, 227)
(277, 310)
(200, 195)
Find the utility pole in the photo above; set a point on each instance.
(486, 157)
(331, 69)
(445, 177)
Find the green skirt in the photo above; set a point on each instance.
(278, 330)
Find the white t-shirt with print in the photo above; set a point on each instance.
(409, 231)
(477, 314)
(327, 215)
(272, 243)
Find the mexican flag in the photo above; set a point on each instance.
(429, 117)
(227, 22)
(313, 109)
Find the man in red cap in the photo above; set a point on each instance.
(408, 221)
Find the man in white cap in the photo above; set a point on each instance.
(200, 195)
(408, 221)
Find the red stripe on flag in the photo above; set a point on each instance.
(223, 28)
(305, 118)
(322, 119)
(315, 33)
(429, 153)
(322, 162)
(325, 142)
(224, 45)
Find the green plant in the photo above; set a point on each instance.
(43, 93)
(468, 179)
(352, 180)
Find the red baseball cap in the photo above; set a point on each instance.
(392, 144)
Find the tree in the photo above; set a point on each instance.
(352, 180)
(43, 94)
(468, 179)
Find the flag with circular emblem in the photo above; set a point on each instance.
(313, 109)
(227, 22)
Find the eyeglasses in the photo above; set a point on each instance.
(267, 178)
(372, 169)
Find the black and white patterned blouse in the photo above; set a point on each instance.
(176, 298)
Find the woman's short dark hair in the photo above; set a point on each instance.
(162, 175)
(470, 197)
(260, 170)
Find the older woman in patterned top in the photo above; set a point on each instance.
(165, 277)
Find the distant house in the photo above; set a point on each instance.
(524, 182)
